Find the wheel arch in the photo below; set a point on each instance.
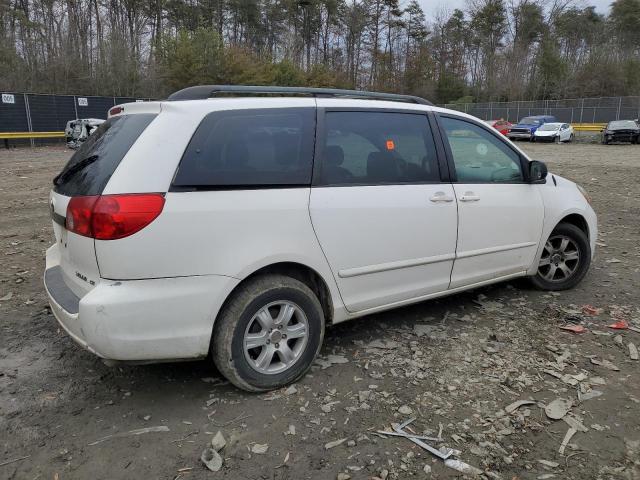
(305, 274)
(577, 220)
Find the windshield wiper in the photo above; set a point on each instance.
(74, 169)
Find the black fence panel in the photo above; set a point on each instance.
(50, 113)
(32, 112)
(13, 116)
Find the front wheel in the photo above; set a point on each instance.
(268, 334)
(565, 259)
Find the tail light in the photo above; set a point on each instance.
(110, 217)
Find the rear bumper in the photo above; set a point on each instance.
(140, 320)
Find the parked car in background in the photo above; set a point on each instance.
(554, 132)
(501, 125)
(237, 228)
(525, 128)
(78, 130)
(621, 131)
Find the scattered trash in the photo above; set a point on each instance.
(549, 463)
(605, 363)
(335, 443)
(558, 408)
(291, 390)
(443, 454)
(591, 310)
(575, 423)
(633, 352)
(343, 476)
(405, 410)
(462, 467)
(211, 459)
(574, 328)
(7, 297)
(613, 260)
(139, 431)
(516, 405)
(260, 448)
(331, 360)
(589, 395)
(570, 433)
(14, 460)
(218, 442)
(619, 325)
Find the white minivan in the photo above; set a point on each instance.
(236, 223)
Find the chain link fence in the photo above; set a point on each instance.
(576, 110)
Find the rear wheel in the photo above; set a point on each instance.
(268, 333)
(565, 259)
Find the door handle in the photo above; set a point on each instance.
(469, 197)
(441, 197)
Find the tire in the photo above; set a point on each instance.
(269, 295)
(578, 246)
(557, 139)
(571, 137)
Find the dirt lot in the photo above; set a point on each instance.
(453, 364)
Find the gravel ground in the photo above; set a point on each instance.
(456, 365)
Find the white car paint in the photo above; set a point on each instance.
(155, 295)
(562, 132)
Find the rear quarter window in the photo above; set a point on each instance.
(249, 148)
(90, 168)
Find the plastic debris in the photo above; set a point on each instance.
(462, 467)
(567, 438)
(260, 448)
(558, 408)
(591, 310)
(548, 463)
(211, 459)
(335, 443)
(619, 325)
(605, 363)
(218, 442)
(574, 328)
(516, 405)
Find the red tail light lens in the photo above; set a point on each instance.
(110, 217)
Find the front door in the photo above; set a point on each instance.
(499, 215)
(384, 220)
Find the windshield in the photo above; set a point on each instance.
(90, 168)
(530, 121)
(623, 124)
(549, 127)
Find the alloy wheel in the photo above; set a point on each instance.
(560, 259)
(275, 337)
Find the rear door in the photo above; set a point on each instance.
(500, 215)
(86, 174)
(384, 217)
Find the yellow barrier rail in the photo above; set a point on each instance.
(588, 127)
(28, 135)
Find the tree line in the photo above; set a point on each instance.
(491, 50)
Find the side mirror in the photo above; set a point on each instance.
(537, 172)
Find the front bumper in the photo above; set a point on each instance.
(525, 135)
(140, 320)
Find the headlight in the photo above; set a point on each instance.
(584, 193)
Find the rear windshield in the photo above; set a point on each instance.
(620, 124)
(530, 121)
(89, 169)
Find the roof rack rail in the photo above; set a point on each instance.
(201, 92)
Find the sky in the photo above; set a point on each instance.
(431, 7)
